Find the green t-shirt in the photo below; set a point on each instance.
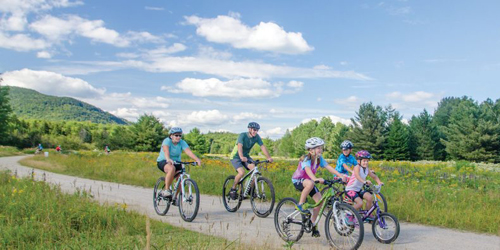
(247, 143)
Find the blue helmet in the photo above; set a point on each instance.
(175, 130)
(346, 145)
(254, 125)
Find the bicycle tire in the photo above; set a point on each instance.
(160, 204)
(383, 203)
(382, 221)
(258, 195)
(348, 233)
(282, 223)
(191, 189)
(230, 204)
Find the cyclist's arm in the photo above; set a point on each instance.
(375, 177)
(356, 174)
(333, 171)
(166, 151)
(347, 168)
(193, 156)
(266, 153)
(311, 174)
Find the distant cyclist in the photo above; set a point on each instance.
(240, 157)
(346, 162)
(107, 150)
(171, 150)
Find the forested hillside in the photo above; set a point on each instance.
(29, 104)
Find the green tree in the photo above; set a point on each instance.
(397, 147)
(197, 141)
(424, 137)
(5, 111)
(368, 130)
(148, 133)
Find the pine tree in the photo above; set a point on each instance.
(368, 130)
(197, 141)
(397, 147)
(424, 137)
(148, 133)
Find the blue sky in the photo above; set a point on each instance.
(217, 65)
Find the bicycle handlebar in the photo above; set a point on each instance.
(257, 162)
(331, 182)
(186, 163)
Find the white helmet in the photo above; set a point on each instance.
(314, 142)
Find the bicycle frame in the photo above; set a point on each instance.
(252, 177)
(367, 213)
(183, 175)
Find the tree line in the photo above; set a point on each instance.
(459, 129)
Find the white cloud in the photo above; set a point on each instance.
(322, 67)
(201, 118)
(127, 55)
(129, 114)
(352, 102)
(246, 116)
(413, 101)
(273, 133)
(51, 83)
(237, 88)
(210, 52)
(158, 102)
(418, 96)
(266, 36)
(21, 42)
(43, 54)
(164, 51)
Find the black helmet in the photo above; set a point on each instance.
(254, 125)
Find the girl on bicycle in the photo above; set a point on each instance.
(171, 150)
(304, 177)
(358, 179)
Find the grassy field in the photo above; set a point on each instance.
(454, 195)
(34, 215)
(9, 151)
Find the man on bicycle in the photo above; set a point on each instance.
(240, 157)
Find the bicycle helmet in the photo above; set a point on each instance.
(363, 154)
(175, 130)
(346, 145)
(254, 125)
(314, 142)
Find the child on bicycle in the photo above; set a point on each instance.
(346, 161)
(170, 152)
(304, 177)
(240, 156)
(354, 188)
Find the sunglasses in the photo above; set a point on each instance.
(178, 135)
(254, 129)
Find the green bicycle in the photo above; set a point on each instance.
(344, 227)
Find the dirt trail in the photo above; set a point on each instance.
(213, 219)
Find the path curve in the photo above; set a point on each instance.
(213, 219)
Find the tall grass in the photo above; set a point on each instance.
(9, 151)
(34, 215)
(455, 195)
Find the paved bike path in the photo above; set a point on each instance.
(243, 225)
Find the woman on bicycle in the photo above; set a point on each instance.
(304, 177)
(355, 185)
(171, 150)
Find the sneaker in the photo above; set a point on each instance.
(166, 193)
(315, 232)
(301, 209)
(233, 194)
(370, 218)
(349, 219)
(174, 202)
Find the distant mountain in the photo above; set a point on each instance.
(30, 104)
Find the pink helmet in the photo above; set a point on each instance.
(363, 154)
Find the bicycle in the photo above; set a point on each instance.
(185, 195)
(258, 188)
(385, 226)
(343, 226)
(380, 196)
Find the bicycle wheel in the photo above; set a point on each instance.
(189, 200)
(231, 205)
(288, 221)
(262, 197)
(346, 229)
(160, 204)
(386, 228)
(382, 203)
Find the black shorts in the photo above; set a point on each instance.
(353, 194)
(161, 166)
(299, 186)
(237, 163)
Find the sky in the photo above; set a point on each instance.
(217, 65)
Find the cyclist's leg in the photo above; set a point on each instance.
(316, 195)
(308, 187)
(369, 200)
(239, 166)
(169, 170)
